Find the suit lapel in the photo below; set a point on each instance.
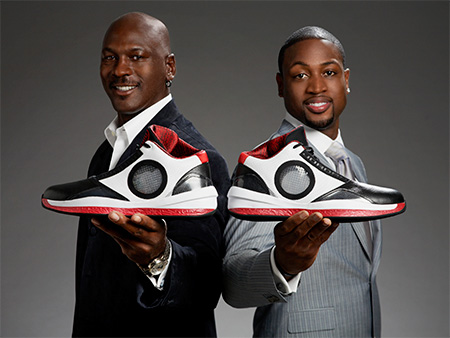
(101, 159)
(362, 237)
(377, 236)
(357, 167)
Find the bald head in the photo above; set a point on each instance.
(152, 28)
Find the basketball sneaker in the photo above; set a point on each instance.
(282, 177)
(165, 177)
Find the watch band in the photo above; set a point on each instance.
(158, 264)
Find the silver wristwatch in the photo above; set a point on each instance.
(158, 264)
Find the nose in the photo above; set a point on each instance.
(122, 68)
(316, 85)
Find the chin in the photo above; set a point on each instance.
(125, 109)
(321, 124)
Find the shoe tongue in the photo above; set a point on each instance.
(151, 136)
(169, 141)
(298, 134)
(164, 137)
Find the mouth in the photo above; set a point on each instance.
(318, 105)
(123, 89)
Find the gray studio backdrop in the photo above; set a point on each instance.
(54, 111)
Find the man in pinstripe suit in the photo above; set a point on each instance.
(307, 276)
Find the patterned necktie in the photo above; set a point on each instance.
(340, 157)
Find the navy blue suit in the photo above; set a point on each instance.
(114, 298)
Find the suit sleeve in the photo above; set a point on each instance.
(248, 277)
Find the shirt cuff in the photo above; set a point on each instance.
(284, 286)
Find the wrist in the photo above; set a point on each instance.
(159, 263)
(285, 274)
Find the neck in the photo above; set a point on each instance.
(332, 130)
(331, 133)
(123, 118)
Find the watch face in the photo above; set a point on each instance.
(157, 266)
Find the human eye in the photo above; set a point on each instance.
(109, 57)
(301, 76)
(137, 57)
(329, 73)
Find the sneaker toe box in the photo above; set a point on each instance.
(372, 193)
(67, 191)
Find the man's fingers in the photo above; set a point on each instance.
(138, 225)
(120, 235)
(148, 223)
(299, 224)
(113, 231)
(287, 226)
(125, 223)
(327, 233)
(317, 230)
(123, 228)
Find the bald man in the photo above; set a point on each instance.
(116, 293)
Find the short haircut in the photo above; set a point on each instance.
(306, 33)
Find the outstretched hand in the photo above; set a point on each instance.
(140, 237)
(298, 240)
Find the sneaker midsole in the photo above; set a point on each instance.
(239, 198)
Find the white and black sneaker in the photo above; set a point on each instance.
(165, 177)
(282, 177)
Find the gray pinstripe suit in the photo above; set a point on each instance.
(336, 297)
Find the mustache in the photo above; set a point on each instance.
(122, 82)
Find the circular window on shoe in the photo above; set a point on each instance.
(147, 179)
(294, 179)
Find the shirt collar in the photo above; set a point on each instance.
(321, 141)
(134, 126)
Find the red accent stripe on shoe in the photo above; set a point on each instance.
(242, 157)
(203, 156)
(129, 211)
(347, 213)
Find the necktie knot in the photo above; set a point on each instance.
(336, 152)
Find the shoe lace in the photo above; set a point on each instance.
(307, 148)
(308, 154)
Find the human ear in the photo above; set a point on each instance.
(279, 79)
(171, 68)
(346, 77)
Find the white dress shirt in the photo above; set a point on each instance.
(120, 138)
